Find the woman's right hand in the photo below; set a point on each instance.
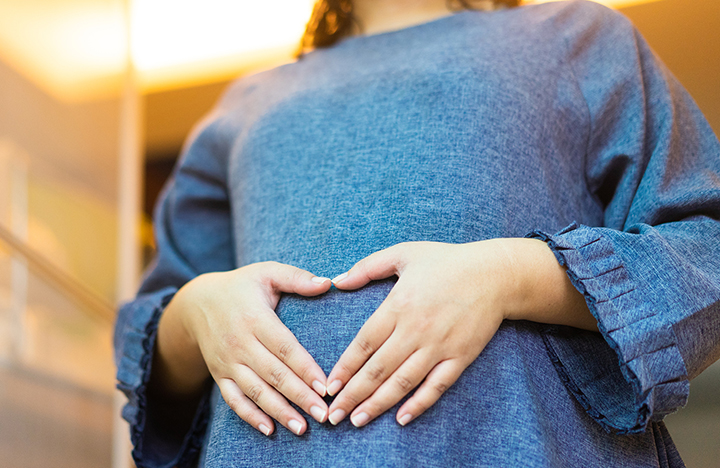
(225, 325)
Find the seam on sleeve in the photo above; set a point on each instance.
(588, 111)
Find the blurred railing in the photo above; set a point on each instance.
(56, 370)
(96, 305)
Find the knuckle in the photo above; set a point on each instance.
(278, 377)
(376, 373)
(255, 392)
(439, 387)
(297, 275)
(364, 346)
(285, 349)
(404, 383)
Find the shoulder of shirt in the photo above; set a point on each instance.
(582, 24)
(580, 9)
(578, 13)
(587, 14)
(246, 85)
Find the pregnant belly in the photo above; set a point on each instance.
(489, 397)
(325, 325)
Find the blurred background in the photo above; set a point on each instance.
(96, 98)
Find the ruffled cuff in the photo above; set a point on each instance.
(135, 334)
(642, 375)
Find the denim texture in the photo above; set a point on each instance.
(551, 120)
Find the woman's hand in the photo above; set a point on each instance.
(447, 304)
(224, 325)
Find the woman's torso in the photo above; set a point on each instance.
(467, 128)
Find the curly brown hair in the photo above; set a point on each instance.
(331, 20)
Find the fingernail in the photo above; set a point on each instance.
(337, 416)
(334, 387)
(319, 387)
(295, 426)
(339, 278)
(319, 279)
(318, 413)
(264, 429)
(360, 419)
(405, 419)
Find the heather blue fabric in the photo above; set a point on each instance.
(552, 120)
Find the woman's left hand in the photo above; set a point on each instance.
(447, 304)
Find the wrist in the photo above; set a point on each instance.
(541, 289)
(523, 264)
(178, 370)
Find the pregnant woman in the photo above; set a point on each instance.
(518, 207)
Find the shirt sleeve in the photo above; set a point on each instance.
(193, 236)
(651, 274)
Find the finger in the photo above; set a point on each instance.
(289, 279)
(440, 378)
(371, 376)
(280, 341)
(371, 336)
(244, 407)
(274, 372)
(379, 265)
(399, 384)
(269, 400)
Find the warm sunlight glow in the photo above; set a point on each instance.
(68, 48)
(179, 37)
(173, 32)
(76, 49)
(610, 3)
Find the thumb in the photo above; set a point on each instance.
(289, 279)
(379, 265)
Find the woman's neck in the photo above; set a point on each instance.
(378, 16)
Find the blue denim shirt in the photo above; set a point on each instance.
(552, 120)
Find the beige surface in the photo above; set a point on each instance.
(46, 423)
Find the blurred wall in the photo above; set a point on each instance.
(71, 150)
(686, 36)
(59, 165)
